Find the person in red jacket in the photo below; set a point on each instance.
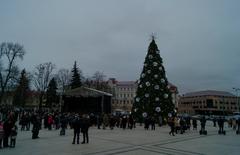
(50, 122)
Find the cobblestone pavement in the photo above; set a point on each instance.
(129, 142)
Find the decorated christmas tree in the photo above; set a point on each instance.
(153, 97)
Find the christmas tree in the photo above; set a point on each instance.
(153, 96)
(76, 79)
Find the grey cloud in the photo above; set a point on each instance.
(199, 40)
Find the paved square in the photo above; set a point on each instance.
(128, 142)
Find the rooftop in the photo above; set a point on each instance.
(209, 93)
(126, 83)
(85, 92)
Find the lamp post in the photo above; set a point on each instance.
(237, 94)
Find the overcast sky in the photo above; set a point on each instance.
(199, 40)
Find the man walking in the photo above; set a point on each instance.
(84, 128)
(221, 124)
(36, 121)
(76, 129)
(171, 124)
(7, 127)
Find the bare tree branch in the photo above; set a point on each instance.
(41, 77)
(63, 78)
(9, 53)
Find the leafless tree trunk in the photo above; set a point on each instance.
(9, 53)
(98, 78)
(63, 78)
(41, 77)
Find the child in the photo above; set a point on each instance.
(13, 136)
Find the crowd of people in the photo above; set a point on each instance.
(181, 124)
(8, 128)
(34, 120)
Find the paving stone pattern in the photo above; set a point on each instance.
(128, 142)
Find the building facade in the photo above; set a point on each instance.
(125, 91)
(209, 102)
(31, 101)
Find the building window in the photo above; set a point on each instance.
(209, 103)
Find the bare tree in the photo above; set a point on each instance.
(9, 53)
(98, 76)
(98, 82)
(41, 77)
(63, 79)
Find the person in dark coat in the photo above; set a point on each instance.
(36, 121)
(214, 122)
(13, 136)
(76, 129)
(124, 122)
(146, 123)
(238, 124)
(63, 122)
(203, 123)
(84, 128)
(182, 123)
(111, 122)
(45, 121)
(221, 124)
(23, 122)
(130, 120)
(152, 122)
(171, 124)
(194, 122)
(98, 121)
(7, 127)
(28, 121)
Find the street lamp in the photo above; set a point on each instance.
(237, 92)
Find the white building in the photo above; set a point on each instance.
(125, 91)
